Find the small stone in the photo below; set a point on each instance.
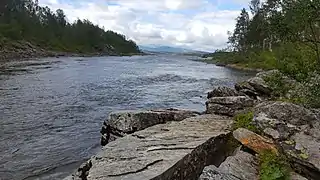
(271, 132)
(289, 142)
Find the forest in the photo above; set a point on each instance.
(27, 21)
(283, 34)
(278, 34)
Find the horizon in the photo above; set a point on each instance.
(191, 24)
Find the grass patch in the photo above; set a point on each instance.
(273, 167)
(244, 120)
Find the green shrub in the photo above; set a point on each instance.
(310, 91)
(296, 60)
(244, 120)
(273, 167)
(277, 82)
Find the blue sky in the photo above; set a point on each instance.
(195, 24)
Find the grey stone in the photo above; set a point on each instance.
(250, 93)
(295, 176)
(271, 132)
(305, 150)
(286, 112)
(121, 123)
(275, 128)
(214, 173)
(223, 92)
(242, 166)
(220, 109)
(298, 130)
(243, 85)
(228, 105)
(269, 73)
(260, 85)
(175, 150)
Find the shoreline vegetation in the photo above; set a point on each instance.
(28, 30)
(282, 35)
(277, 34)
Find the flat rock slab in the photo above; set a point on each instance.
(121, 123)
(175, 150)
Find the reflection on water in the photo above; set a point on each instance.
(52, 109)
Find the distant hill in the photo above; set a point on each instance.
(169, 49)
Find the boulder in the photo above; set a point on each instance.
(223, 91)
(277, 129)
(122, 123)
(247, 89)
(295, 176)
(304, 153)
(260, 86)
(269, 73)
(214, 173)
(228, 105)
(286, 112)
(296, 130)
(254, 141)
(243, 85)
(175, 150)
(241, 166)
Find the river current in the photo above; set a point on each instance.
(52, 109)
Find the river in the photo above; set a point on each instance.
(52, 108)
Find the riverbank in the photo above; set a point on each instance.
(243, 134)
(24, 50)
(231, 65)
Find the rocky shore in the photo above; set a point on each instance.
(172, 144)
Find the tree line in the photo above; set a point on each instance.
(283, 34)
(27, 20)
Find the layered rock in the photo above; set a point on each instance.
(254, 87)
(223, 92)
(228, 105)
(296, 130)
(241, 166)
(122, 123)
(175, 150)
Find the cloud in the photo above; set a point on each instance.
(197, 24)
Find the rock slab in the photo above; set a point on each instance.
(228, 105)
(121, 123)
(175, 150)
(241, 166)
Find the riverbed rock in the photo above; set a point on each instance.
(223, 91)
(175, 150)
(122, 123)
(254, 141)
(241, 166)
(228, 105)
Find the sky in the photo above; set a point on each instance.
(193, 24)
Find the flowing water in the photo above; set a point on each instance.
(52, 109)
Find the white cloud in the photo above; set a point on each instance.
(198, 24)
